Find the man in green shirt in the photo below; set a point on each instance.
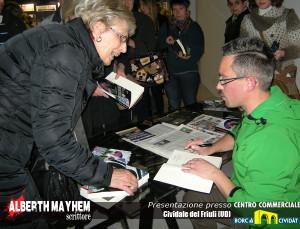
(266, 145)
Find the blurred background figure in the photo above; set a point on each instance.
(11, 22)
(14, 8)
(17, 11)
(63, 14)
(183, 69)
(238, 9)
(150, 8)
(28, 21)
(278, 26)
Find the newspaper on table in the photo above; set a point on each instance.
(166, 138)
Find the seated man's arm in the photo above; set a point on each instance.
(206, 170)
(224, 144)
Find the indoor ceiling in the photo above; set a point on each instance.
(37, 2)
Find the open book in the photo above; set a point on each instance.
(122, 90)
(171, 173)
(178, 47)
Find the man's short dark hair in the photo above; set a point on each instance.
(186, 3)
(254, 58)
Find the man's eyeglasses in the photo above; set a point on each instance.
(123, 38)
(234, 3)
(229, 80)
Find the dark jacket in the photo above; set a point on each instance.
(10, 26)
(46, 77)
(232, 30)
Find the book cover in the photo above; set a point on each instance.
(108, 155)
(122, 90)
(171, 173)
(227, 125)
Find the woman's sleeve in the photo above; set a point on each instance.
(161, 37)
(196, 44)
(55, 78)
(243, 28)
(293, 32)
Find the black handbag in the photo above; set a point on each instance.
(53, 186)
(149, 70)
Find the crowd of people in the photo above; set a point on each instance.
(48, 89)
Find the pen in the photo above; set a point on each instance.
(206, 145)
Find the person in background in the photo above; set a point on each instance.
(17, 11)
(28, 21)
(139, 45)
(10, 25)
(149, 7)
(183, 69)
(63, 14)
(266, 154)
(277, 26)
(238, 9)
(14, 8)
(46, 84)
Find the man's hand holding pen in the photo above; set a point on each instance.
(199, 146)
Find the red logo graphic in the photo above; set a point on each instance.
(14, 207)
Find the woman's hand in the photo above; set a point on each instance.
(170, 40)
(124, 180)
(279, 54)
(185, 57)
(99, 92)
(120, 70)
(193, 145)
(131, 43)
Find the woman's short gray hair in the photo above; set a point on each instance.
(106, 11)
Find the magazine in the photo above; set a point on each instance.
(204, 122)
(134, 134)
(94, 194)
(227, 125)
(216, 105)
(118, 159)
